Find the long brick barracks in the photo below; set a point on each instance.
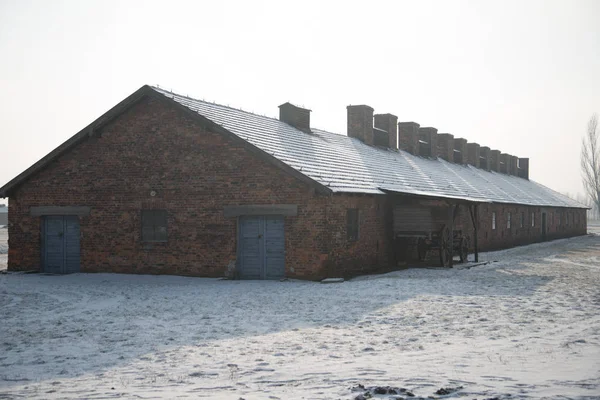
(167, 184)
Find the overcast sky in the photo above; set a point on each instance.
(519, 76)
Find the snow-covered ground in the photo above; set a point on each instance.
(527, 326)
(3, 247)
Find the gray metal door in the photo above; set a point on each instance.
(61, 247)
(261, 247)
(274, 238)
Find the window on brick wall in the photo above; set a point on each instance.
(551, 219)
(352, 224)
(508, 221)
(154, 225)
(532, 219)
(559, 219)
(522, 219)
(493, 220)
(567, 221)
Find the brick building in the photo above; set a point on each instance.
(166, 184)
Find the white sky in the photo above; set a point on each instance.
(519, 76)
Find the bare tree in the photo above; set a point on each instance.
(590, 161)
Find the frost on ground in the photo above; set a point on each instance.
(3, 239)
(3, 247)
(527, 326)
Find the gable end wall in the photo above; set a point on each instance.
(195, 173)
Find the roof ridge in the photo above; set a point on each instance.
(162, 90)
(215, 103)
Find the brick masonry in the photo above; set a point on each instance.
(502, 236)
(195, 173)
(516, 235)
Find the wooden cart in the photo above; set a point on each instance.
(428, 229)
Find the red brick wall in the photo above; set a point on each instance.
(371, 252)
(195, 173)
(503, 237)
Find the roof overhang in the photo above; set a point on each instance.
(464, 199)
(434, 196)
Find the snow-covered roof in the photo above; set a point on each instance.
(346, 164)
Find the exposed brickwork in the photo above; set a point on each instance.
(295, 116)
(503, 237)
(445, 145)
(461, 155)
(514, 170)
(484, 159)
(505, 163)
(474, 154)
(195, 173)
(408, 137)
(428, 135)
(372, 251)
(523, 168)
(495, 160)
(388, 123)
(360, 123)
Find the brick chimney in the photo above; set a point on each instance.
(408, 137)
(460, 156)
(495, 160)
(360, 123)
(295, 116)
(524, 168)
(388, 123)
(485, 161)
(445, 144)
(514, 166)
(473, 154)
(428, 145)
(505, 163)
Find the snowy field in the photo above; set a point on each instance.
(524, 327)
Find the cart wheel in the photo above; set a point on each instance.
(464, 249)
(421, 249)
(445, 246)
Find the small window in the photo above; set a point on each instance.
(551, 219)
(508, 221)
(493, 220)
(522, 219)
(532, 219)
(154, 225)
(567, 221)
(559, 219)
(352, 224)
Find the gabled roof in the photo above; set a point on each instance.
(333, 162)
(346, 164)
(96, 127)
